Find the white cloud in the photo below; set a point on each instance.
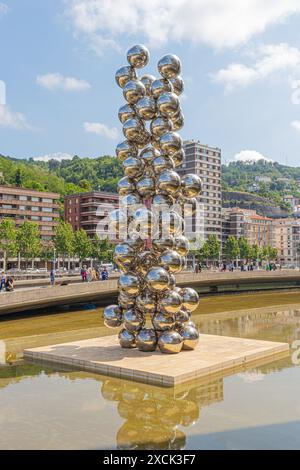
(3, 9)
(269, 59)
(250, 156)
(53, 156)
(296, 125)
(56, 81)
(12, 120)
(218, 23)
(101, 129)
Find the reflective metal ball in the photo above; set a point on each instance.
(138, 56)
(133, 320)
(167, 104)
(191, 185)
(171, 302)
(146, 340)
(146, 186)
(159, 86)
(182, 317)
(133, 91)
(190, 337)
(125, 301)
(169, 66)
(146, 302)
(126, 112)
(170, 342)
(145, 261)
(133, 167)
(160, 126)
(112, 316)
(170, 143)
(162, 163)
(182, 245)
(171, 261)
(127, 339)
(178, 122)
(124, 255)
(190, 299)
(178, 85)
(163, 321)
(130, 284)
(126, 149)
(148, 154)
(146, 108)
(125, 186)
(168, 181)
(157, 279)
(178, 157)
(147, 81)
(162, 201)
(124, 74)
(162, 244)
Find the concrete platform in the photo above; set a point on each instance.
(214, 354)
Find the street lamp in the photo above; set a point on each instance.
(54, 259)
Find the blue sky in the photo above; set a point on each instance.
(241, 65)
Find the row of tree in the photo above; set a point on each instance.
(235, 249)
(25, 242)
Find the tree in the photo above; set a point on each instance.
(64, 240)
(8, 236)
(254, 252)
(102, 250)
(271, 253)
(244, 248)
(83, 245)
(18, 177)
(29, 241)
(231, 248)
(213, 247)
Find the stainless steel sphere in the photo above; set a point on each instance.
(169, 182)
(190, 337)
(190, 299)
(146, 302)
(162, 201)
(146, 108)
(145, 261)
(117, 220)
(169, 66)
(144, 139)
(147, 81)
(126, 112)
(157, 279)
(144, 218)
(159, 86)
(138, 56)
(148, 154)
(160, 126)
(182, 317)
(127, 340)
(132, 129)
(130, 284)
(178, 157)
(126, 149)
(133, 91)
(133, 167)
(163, 321)
(171, 261)
(167, 104)
(190, 207)
(171, 302)
(170, 222)
(155, 142)
(130, 202)
(112, 316)
(146, 186)
(178, 122)
(124, 74)
(126, 186)
(146, 340)
(136, 243)
(125, 301)
(178, 85)
(191, 185)
(134, 320)
(182, 245)
(124, 256)
(162, 244)
(162, 163)
(173, 282)
(170, 143)
(170, 342)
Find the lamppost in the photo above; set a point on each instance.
(54, 259)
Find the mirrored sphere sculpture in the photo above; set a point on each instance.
(152, 311)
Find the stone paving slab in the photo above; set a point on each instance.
(104, 356)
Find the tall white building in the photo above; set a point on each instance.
(205, 161)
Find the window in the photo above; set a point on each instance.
(22, 208)
(47, 219)
(35, 209)
(23, 198)
(35, 199)
(35, 217)
(47, 209)
(50, 201)
(7, 206)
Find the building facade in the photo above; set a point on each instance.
(22, 204)
(86, 210)
(205, 161)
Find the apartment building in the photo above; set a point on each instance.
(22, 204)
(86, 210)
(205, 161)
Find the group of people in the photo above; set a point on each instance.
(6, 283)
(94, 274)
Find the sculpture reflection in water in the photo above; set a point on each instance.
(153, 201)
(155, 418)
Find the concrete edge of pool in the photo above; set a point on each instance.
(104, 356)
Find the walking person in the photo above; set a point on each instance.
(52, 277)
(104, 275)
(83, 274)
(2, 281)
(9, 284)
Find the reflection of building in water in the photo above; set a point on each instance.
(155, 417)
